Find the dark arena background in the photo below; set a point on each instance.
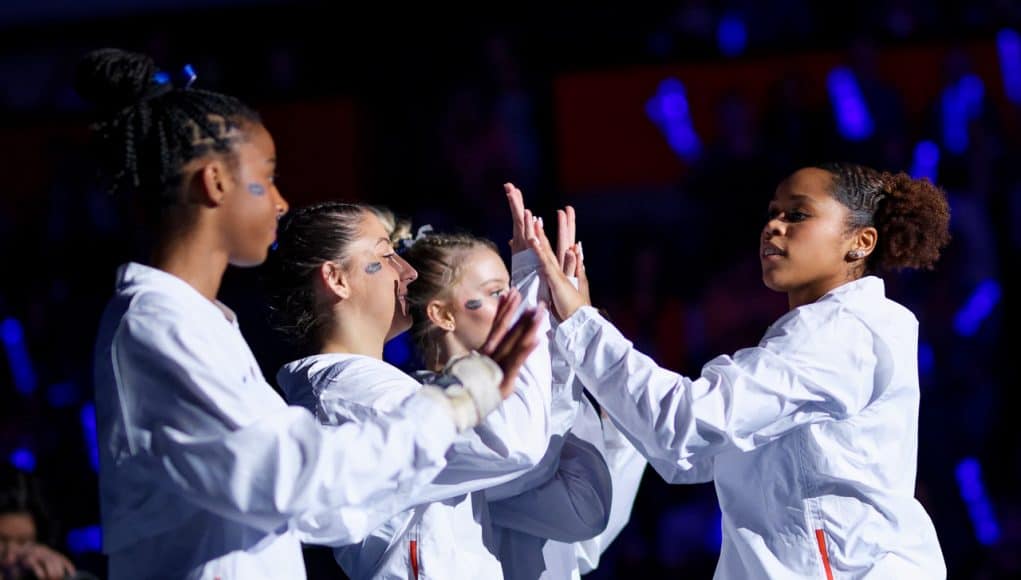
(666, 124)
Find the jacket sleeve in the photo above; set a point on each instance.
(804, 371)
(270, 470)
(626, 466)
(573, 502)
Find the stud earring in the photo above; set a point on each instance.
(856, 254)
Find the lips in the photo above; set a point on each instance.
(769, 251)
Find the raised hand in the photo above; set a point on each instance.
(508, 345)
(521, 218)
(565, 297)
(569, 251)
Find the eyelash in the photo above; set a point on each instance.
(790, 216)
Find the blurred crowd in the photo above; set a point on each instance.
(444, 111)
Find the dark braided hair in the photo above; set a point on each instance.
(147, 130)
(438, 259)
(306, 239)
(911, 215)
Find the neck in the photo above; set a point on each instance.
(194, 257)
(812, 292)
(449, 348)
(353, 339)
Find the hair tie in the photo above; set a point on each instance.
(407, 243)
(162, 82)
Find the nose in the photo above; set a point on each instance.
(773, 227)
(407, 272)
(281, 204)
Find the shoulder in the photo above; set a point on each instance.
(361, 379)
(818, 326)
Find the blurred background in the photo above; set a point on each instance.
(666, 124)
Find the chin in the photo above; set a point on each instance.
(249, 261)
(772, 283)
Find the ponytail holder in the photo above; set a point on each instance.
(408, 243)
(189, 75)
(163, 81)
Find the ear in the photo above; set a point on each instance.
(440, 315)
(864, 241)
(215, 180)
(335, 280)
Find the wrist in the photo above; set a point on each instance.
(475, 391)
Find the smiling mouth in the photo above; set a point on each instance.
(771, 252)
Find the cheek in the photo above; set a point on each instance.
(486, 314)
(479, 317)
(820, 248)
(259, 195)
(476, 323)
(382, 285)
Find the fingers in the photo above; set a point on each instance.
(516, 201)
(54, 568)
(579, 270)
(520, 343)
(66, 568)
(519, 219)
(582, 276)
(38, 569)
(511, 339)
(38, 564)
(538, 241)
(566, 299)
(526, 339)
(563, 241)
(571, 262)
(572, 231)
(46, 563)
(505, 309)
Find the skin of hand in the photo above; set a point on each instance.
(508, 345)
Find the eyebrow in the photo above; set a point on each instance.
(794, 197)
(497, 280)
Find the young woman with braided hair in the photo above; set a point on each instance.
(554, 521)
(204, 471)
(811, 437)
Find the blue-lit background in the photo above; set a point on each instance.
(666, 124)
